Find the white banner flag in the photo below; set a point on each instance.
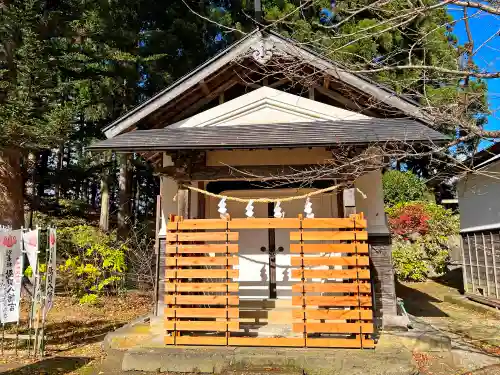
(11, 275)
(31, 243)
(50, 280)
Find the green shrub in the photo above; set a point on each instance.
(440, 222)
(94, 262)
(89, 299)
(402, 187)
(409, 261)
(407, 221)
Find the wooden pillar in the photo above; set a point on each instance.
(201, 201)
(369, 200)
(183, 203)
(349, 199)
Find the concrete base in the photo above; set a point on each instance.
(144, 350)
(422, 338)
(395, 323)
(387, 361)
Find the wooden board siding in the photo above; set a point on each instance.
(382, 277)
(481, 263)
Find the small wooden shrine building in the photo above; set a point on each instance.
(267, 118)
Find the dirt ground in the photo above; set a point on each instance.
(75, 333)
(475, 333)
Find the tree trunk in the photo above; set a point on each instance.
(11, 189)
(104, 220)
(59, 166)
(41, 174)
(137, 199)
(93, 193)
(124, 196)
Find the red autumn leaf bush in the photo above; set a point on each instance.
(410, 219)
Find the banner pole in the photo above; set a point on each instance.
(23, 252)
(44, 312)
(48, 257)
(3, 335)
(36, 283)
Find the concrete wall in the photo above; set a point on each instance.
(479, 199)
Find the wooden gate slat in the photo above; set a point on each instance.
(334, 327)
(337, 223)
(340, 314)
(330, 261)
(206, 326)
(202, 273)
(366, 301)
(336, 287)
(202, 261)
(211, 312)
(331, 274)
(339, 343)
(319, 248)
(202, 248)
(329, 236)
(201, 236)
(201, 287)
(201, 300)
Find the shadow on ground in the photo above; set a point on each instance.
(55, 365)
(77, 333)
(452, 279)
(418, 303)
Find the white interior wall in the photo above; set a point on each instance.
(254, 264)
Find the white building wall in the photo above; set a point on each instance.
(370, 201)
(254, 264)
(479, 199)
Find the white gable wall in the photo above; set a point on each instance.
(267, 106)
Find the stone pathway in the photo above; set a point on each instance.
(473, 329)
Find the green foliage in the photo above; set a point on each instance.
(28, 272)
(402, 187)
(94, 262)
(409, 261)
(89, 299)
(431, 245)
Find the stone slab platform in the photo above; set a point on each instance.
(388, 360)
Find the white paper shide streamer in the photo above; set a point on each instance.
(249, 209)
(222, 208)
(278, 212)
(308, 209)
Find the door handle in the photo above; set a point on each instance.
(280, 249)
(263, 249)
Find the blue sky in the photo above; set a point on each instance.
(483, 27)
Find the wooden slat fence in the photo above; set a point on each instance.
(201, 295)
(481, 263)
(332, 302)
